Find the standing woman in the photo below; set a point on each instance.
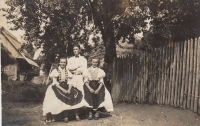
(77, 65)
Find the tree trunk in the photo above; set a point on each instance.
(110, 54)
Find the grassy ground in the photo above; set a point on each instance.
(22, 106)
(30, 114)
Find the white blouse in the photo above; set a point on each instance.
(94, 74)
(77, 64)
(64, 74)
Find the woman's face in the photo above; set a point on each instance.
(63, 63)
(95, 62)
(76, 51)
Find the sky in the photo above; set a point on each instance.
(3, 22)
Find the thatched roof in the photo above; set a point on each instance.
(11, 43)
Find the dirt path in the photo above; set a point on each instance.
(30, 114)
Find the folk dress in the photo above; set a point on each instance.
(103, 99)
(55, 100)
(77, 65)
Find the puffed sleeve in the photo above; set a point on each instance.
(101, 73)
(86, 75)
(54, 73)
(71, 65)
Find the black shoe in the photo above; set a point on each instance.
(90, 116)
(96, 116)
(66, 120)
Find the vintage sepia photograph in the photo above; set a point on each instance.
(100, 62)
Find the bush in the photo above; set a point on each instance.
(22, 91)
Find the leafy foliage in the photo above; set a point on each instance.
(64, 22)
(61, 23)
(172, 20)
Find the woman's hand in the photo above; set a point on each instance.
(66, 91)
(96, 92)
(69, 91)
(91, 90)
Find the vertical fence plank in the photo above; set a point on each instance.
(183, 74)
(142, 78)
(156, 76)
(120, 77)
(198, 58)
(137, 81)
(196, 74)
(176, 75)
(166, 77)
(139, 78)
(167, 66)
(173, 75)
(193, 74)
(150, 76)
(162, 75)
(134, 77)
(190, 76)
(170, 72)
(126, 79)
(131, 80)
(143, 89)
(180, 72)
(153, 77)
(186, 75)
(130, 84)
(146, 81)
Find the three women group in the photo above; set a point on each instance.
(75, 86)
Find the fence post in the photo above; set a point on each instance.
(193, 74)
(198, 73)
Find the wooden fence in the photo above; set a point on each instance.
(166, 76)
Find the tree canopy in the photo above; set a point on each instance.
(61, 23)
(172, 20)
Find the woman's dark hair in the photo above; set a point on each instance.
(76, 45)
(63, 58)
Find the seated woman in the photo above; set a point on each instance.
(96, 94)
(61, 95)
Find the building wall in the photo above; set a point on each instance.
(11, 71)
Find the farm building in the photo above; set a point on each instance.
(23, 66)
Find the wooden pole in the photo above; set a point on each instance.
(150, 76)
(196, 57)
(156, 76)
(167, 66)
(190, 72)
(173, 75)
(180, 73)
(183, 75)
(170, 73)
(198, 73)
(186, 74)
(193, 74)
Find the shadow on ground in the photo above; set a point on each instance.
(30, 114)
